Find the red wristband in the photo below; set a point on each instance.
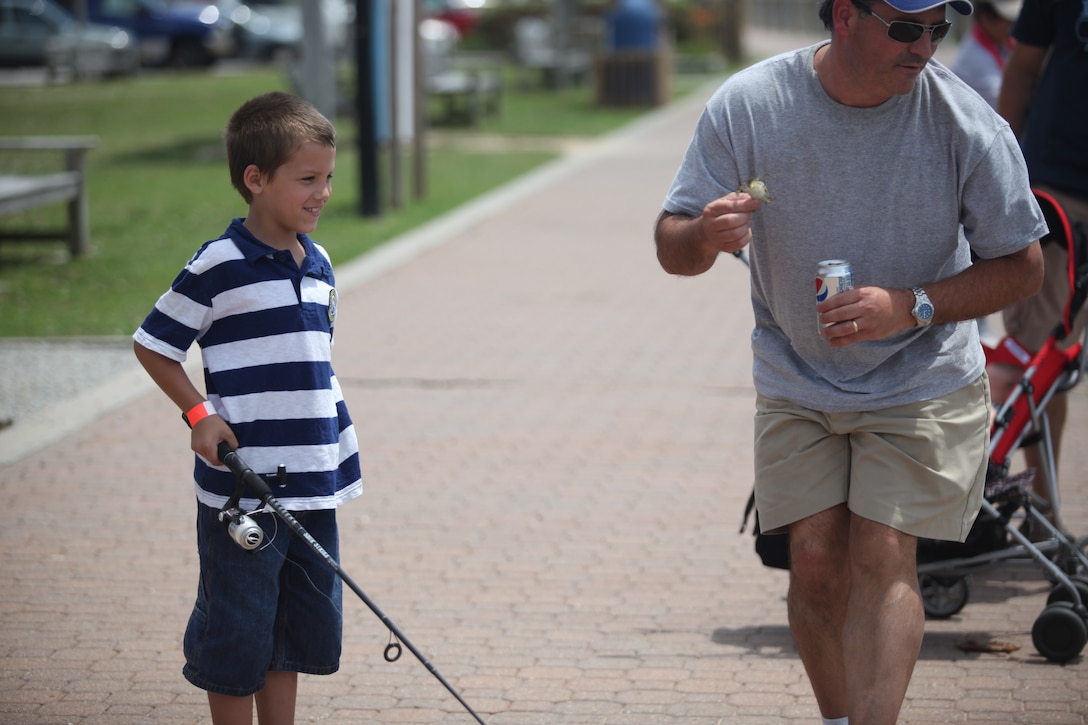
(198, 413)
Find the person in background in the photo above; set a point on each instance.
(980, 61)
(1044, 97)
(982, 54)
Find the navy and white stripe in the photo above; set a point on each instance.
(265, 330)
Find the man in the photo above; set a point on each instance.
(872, 406)
(1052, 94)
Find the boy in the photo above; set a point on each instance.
(261, 303)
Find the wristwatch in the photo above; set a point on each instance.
(923, 308)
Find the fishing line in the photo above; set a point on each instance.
(257, 485)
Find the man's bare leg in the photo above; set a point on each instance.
(885, 621)
(819, 587)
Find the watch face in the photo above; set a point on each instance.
(924, 312)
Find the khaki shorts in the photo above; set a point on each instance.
(919, 468)
(1032, 320)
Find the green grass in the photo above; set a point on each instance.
(158, 188)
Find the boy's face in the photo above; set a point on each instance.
(291, 200)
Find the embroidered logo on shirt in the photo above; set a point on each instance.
(332, 306)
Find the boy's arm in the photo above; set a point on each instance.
(170, 376)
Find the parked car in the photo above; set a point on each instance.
(268, 32)
(41, 33)
(273, 30)
(463, 14)
(182, 35)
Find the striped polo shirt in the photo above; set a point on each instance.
(265, 331)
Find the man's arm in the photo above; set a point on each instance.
(988, 286)
(690, 245)
(1018, 82)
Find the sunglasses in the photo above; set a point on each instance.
(907, 32)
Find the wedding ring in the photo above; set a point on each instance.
(856, 329)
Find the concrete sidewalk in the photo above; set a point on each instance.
(556, 442)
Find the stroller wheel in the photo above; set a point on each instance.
(1062, 594)
(1059, 632)
(943, 596)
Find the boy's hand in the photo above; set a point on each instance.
(206, 436)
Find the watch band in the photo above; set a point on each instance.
(923, 308)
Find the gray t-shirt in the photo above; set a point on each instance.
(905, 191)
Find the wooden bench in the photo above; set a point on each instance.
(24, 191)
(469, 89)
(537, 54)
(469, 85)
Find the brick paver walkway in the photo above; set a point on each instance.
(557, 448)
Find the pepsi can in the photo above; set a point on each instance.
(832, 277)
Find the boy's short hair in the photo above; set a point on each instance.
(267, 129)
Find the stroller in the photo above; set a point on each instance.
(1061, 631)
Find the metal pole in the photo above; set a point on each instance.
(419, 107)
(732, 30)
(396, 194)
(364, 110)
(318, 65)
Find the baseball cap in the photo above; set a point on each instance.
(1008, 9)
(963, 7)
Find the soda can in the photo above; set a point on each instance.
(832, 277)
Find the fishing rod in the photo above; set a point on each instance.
(258, 486)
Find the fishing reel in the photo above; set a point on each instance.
(246, 532)
(243, 529)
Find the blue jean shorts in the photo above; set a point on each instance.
(275, 608)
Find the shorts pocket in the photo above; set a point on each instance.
(195, 634)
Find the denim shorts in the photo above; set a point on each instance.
(275, 608)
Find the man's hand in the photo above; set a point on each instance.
(726, 222)
(865, 313)
(690, 245)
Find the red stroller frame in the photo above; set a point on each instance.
(1061, 630)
